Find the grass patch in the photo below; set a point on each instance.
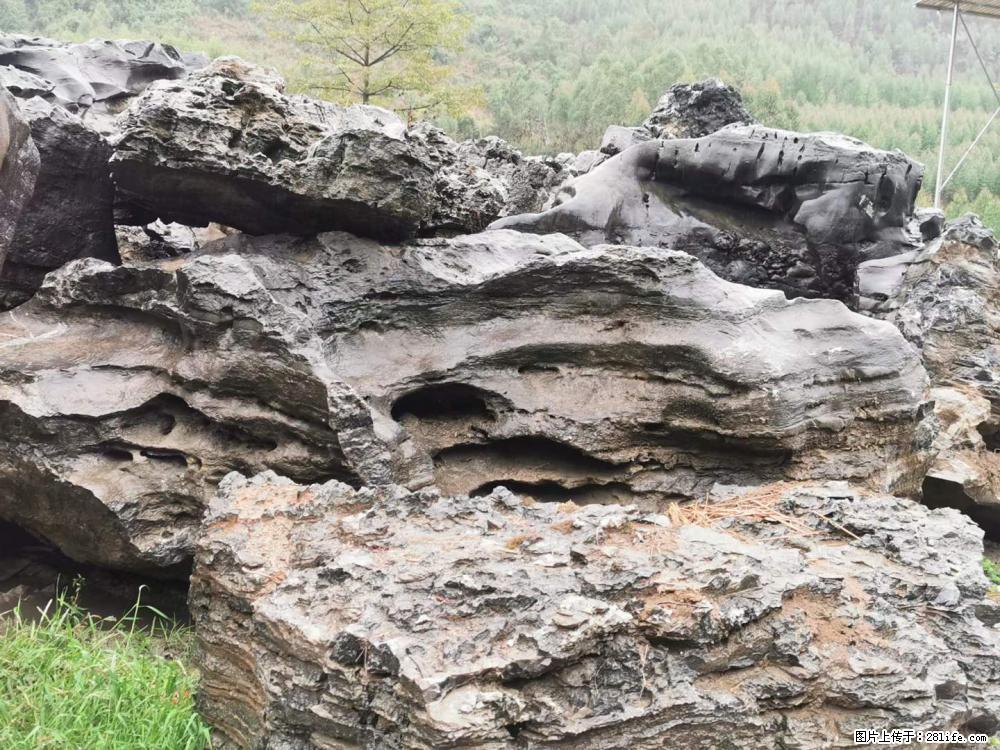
(71, 681)
(992, 571)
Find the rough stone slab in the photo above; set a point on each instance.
(226, 145)
(19, 165)
(769, 208)
(69, 214)
(379, 618)
(604, 374)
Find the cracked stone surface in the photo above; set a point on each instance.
(69, 214)
(769, 208)
(944, 299)
(19, 165)
(93, 79)
(227, 145)
(330, 617)
(604, 374)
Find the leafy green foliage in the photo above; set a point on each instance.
(373, 51)
(70, 680)
(992, 571)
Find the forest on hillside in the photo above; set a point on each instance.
(551, 76)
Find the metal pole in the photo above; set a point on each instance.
(944, 117)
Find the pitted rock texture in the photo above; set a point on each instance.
(768, 208)
(693, 110)
(529, 181)
(94, 79)
(335, 618)
(600, 374)
(69, 214)
(19, 165)
(945, 299)
(226, 145)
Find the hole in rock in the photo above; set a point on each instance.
(115, 452)
(991, 435)
(553, 492)
(940, 493)
(536, 464)
(33, 572)
(168, 456)
(443, 401)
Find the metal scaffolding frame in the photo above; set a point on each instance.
(959, 9)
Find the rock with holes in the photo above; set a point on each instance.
(594, 374)
(944, 298)
(693, 110)
(789, 616)
(226, 145)
(764, 207)
(69, 214)
(18, 170)
(93, 79)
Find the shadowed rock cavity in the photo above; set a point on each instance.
(378, 618)
(769, 208)
(606, 373)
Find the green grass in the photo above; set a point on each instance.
(992, 571)
(75, 682)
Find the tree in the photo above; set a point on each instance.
(374, 51)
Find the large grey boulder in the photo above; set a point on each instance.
(92, 79)
(769, 208)
(226, 145)
(330, 617)
(18, 169)
(945, 298)
(602, 374)
(69, 214)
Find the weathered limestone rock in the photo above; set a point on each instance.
(764, 207)
(69, 214)
(93, 79)
(693, 110)
(18, 169)
(160, 241)
(529, 181)
(946, 300)
(226, 145)
(598, 374)
(331, 618)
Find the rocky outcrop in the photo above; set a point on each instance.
(768, 208)
(529, 181)
(243, 154)
(944, 300)
(379, 618)
(18, 169)
(94, 79)
(69, 214)
(694, 110)
(601, 374)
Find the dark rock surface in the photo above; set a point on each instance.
(93, 79)
(694, 110)
(334, 618)
(69, 214)
(18, 169)
(768, 208)
(600, 374)
(226, 145)
(945, 299)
